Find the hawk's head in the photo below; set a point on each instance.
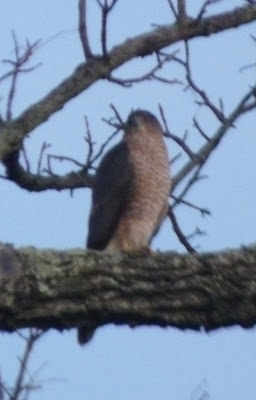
(142, 118)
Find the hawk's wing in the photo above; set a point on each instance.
(109, 198)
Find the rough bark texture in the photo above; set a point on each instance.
(57, 289)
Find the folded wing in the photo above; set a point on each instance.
(111, 189)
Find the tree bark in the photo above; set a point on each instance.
(66, 289)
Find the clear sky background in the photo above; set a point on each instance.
(124, 363)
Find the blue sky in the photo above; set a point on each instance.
(121, 362)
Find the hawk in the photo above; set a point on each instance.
(131, 188)
(130, 193)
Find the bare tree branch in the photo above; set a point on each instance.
(105, 10)
(182, 13)
(65, 158)
(34, 335)
(37, 183)
(93, 156)
(102, 147)
(20, 60)
(73, 180)
(161, 59)
(118, 117)
(195, 178)
(205, 6)
(175, 138)
(82, 28)
(90, 144)
(200, 130)
(172, 7)
(191, 84)
(13, 132)
(100, 68)
(202, 210)
(182, 238)
(206, 150)
(25, 157)
(44, 147)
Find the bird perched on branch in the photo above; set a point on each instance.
(131, 189)
(130, 193)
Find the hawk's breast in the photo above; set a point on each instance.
(148, 196)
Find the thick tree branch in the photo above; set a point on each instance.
(97, 68)
(54, 289)
(38, 183)
(81, 178)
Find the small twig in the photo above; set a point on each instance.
(20, 60)
(103, 146)
(118, 126)
(11, 96)
(34, 335)
(197, 232)
(21, 70)
(206, 101)
(175, 138)
(203, 211)
(32, 384)
(185, 136)
(48, 170)
(118, 116)
(168, 81)
(91, 155)
(161, 59)
(5, 76)
(112, 122)
(204, 7)
(194, 179)
(182, 144)
(40, 159)
(82, 28)
(182, 14)
(127, 83)
(248, 66)
(90, 144)
(116, 121)
(104, 30)
(179, 233)
(105, 10)
(207, 149)
(172, 7)
(175, 158)
(192, 85)
(200, 130)
(65, 158)
(249, 107)
(6, 391)
(25, 156)
(221, 105)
